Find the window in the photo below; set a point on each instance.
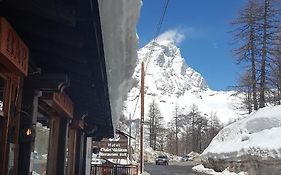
(40, 154)
(2, 87)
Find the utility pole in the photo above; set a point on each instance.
(130, 141)
(142, 118)
(177, 130)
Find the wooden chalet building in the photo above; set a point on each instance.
(53, 85)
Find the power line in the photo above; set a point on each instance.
(156, 35)
(157, 32)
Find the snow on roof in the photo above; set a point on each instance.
(258, 135)
(118, 23)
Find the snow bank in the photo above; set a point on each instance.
(150, 155)
(118, 23)
(258, 135)
(195, 156)
(121, 161)
(202, 169)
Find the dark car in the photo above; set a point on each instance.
(162, 160)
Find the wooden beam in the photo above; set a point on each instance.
(63, 64)
(3, 69)
(46, 109)
(64, 35)
(35, 54)
(49, 46)
(58, 12)
(48, 82)
(63, 104)
(78, 124)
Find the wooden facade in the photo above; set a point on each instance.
(13, 64)
(52, 85)
(13, 51)
(9, 121)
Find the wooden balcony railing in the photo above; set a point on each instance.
(13, 52)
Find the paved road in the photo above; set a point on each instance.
(174, 168)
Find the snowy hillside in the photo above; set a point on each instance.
(258, 135)
(170, 82)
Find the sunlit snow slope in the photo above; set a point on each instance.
(258, 135)
(170, 82)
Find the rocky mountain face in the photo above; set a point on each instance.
(171, 82)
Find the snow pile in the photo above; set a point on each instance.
(118, 24)
(195, 156)
(150, 155)
(121, 161)
(170, 81)
(258, 135)
(201, 169)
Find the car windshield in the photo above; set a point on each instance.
(163, 157)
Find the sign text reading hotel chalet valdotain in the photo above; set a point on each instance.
(113, 148)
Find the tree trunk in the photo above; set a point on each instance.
(264, 55)
(253, 62)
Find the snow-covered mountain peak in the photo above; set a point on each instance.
(171, 82)
(164, 61)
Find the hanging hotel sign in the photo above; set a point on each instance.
(13, 52)
(116, 148)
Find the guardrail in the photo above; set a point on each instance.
(114, 170)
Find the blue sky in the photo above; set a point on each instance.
(208, 43)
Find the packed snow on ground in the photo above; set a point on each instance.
(118, 24)
(201, 169)
(145, 173)
(259, 135)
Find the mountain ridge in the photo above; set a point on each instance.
(171, 82)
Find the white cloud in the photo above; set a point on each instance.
(172, 35)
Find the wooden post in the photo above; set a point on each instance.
(53, 145)
(142, 118)
(71, 150)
